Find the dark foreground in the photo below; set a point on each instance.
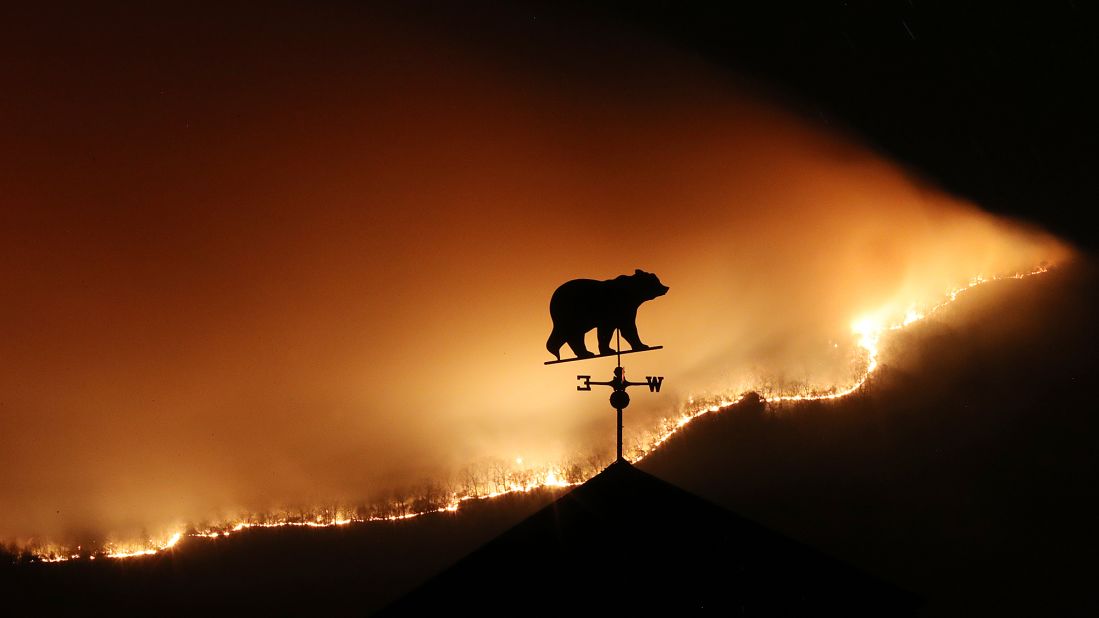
(626, 541)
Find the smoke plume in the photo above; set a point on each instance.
(251, 261)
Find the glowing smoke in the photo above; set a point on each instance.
(291, 273)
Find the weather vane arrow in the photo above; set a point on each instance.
(620, 383)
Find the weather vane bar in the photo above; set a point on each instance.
(573, 360)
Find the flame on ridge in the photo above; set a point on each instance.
(868, 329)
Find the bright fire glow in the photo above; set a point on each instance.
(868, 330)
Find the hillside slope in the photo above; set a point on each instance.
(966, 471)
(281, 571)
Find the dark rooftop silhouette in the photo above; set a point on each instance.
(626, 540)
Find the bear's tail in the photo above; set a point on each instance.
(554, 343)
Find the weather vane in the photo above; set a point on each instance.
(609, 306)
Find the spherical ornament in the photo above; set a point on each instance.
(619, 399)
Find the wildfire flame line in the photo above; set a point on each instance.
(869, 330)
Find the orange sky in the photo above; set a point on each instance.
(280, 261)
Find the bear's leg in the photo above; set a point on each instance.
(554, 343)
(576, 342)
(603, 335)
(629, 333)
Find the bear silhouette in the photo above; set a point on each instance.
(583, 304)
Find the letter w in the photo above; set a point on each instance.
(654, 383)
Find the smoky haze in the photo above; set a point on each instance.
(255, 261)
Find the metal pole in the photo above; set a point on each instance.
(619, 433)
(618, 348)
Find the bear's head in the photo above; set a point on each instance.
(647, 286)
